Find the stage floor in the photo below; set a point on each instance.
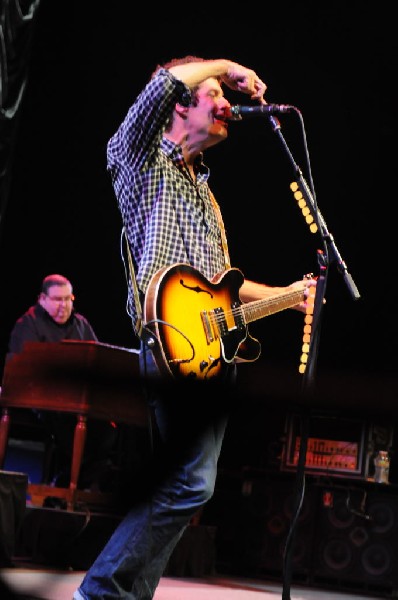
(60, 585)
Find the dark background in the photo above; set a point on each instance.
(335, 61)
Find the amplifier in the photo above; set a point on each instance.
(335, 446)
(330, 455)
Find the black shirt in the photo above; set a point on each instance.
(36, 325)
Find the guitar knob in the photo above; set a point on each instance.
(203, 365)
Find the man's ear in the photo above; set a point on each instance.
(181, 110)
(41, 298)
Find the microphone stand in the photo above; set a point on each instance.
(329, 254)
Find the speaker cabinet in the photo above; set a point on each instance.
(63, 539)
(346, 537)
(273, 506)
(356, 545)
(13, 487)
(255, 535)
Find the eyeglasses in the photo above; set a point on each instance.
(61, 298)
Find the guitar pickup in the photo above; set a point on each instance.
(214, 324)
(222, 326)
(207, 326)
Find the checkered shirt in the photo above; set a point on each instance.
(167, 217)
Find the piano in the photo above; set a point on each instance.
(89, 379)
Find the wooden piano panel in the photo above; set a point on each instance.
(72, 376)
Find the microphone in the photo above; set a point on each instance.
(237, 112)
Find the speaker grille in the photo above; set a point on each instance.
(356, 543)
(346, 536)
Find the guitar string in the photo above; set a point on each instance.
(220, 317)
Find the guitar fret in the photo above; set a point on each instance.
(272, 305)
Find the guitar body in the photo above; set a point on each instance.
(198, 323)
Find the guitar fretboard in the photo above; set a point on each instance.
(268, 306)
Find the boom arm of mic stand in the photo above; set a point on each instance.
(327, 237)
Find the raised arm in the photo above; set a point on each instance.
(233, 75)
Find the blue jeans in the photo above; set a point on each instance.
(133, 560)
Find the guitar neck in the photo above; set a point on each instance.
(258, 309)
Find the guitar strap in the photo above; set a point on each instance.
(220, 222)
(139, 322)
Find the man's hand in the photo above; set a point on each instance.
(308, 284)
(242, 79)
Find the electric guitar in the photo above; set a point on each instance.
(199, 326)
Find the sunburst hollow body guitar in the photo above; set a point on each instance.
(201, 325)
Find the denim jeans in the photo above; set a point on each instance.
(134, 558)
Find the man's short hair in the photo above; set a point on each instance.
(51, 280)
